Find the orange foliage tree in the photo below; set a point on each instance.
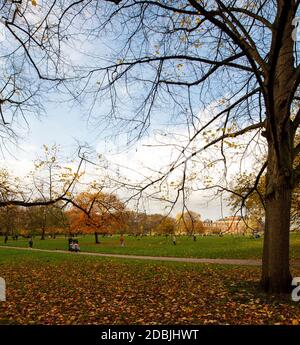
(98, 213)
(166, 226)
(189, 223)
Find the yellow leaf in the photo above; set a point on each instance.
(34, 3)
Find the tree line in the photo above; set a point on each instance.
(98, 214)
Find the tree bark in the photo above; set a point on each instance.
(276, 276)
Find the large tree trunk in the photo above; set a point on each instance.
(276, 277)
(279, 84)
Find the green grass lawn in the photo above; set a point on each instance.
(56, 288)
(240, 247)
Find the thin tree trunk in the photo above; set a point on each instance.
(43, 234)
(96, 238)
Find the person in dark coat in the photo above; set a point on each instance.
(70, 244)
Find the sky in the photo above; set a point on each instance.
(65, 125)
(68, 125)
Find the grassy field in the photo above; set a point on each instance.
(240, 247)
(53, 288)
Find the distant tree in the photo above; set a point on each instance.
(57, 220)
(139, 223)
(100, 213)
(10, 220)
(37, 217)
(152, 221)
(252, 207)
(166, 226)
(189, 223)
(49, 183)
(135, 223)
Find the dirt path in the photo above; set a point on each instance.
(239, 262)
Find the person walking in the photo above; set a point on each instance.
(30, 242)
(70, 244)
(122, 240)
(76, 247)
(174, 240)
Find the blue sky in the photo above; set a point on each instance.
(64, 124)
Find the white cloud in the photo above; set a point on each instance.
(153, 154)
(158, 151)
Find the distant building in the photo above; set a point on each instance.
(229, 225)
(210, 227)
